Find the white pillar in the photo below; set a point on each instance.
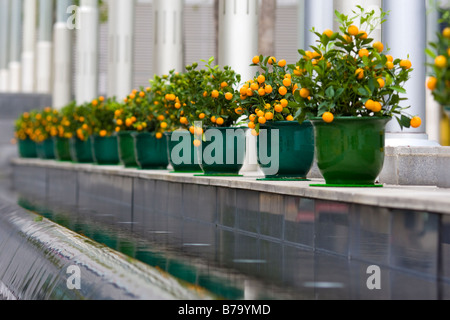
(29, 46)
(348, 6)
(236, 50)
(404, 33)
(62, 82)
(15, 47)
(112, 48)
(301, 23)
(320, 15)
(4, 44)
(125, 47)
(44, 47)
(87, 81)
(168, 36)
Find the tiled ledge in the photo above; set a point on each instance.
(417, 198)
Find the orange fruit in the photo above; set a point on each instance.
(142, 94)
(279, 108)
(390, 58)
(103, 133)
(282, 63)
(249, 92)
(255, 133)
(272, 60)
(369, 104)
(239, 110)
(252, 117)
(376, 106)
(251, 125)
(262, 120)
(261, 79)
(213, 119)
(164, 125)
(201, 116)
(290, 118)
(197, 143)
(363, 35)
(304, 93)
(432, 83)
(261, 91)
(269, 115)
(329, 33)
(159, 135)
(359, 73)
(243, 90)
(283, 91)
(390, 65)
(440, 62)
(377, 45)
(328, 117)
(446, 32)
(228, 96)
(284, 103)
(287, 82)
(405, 64)
(363, 53)
(255, 60)
(416, 122)
(353, 30)
(215, 94)
(298, 72)
(381, 82)
(220, 121)
(254, 86)
(223, 85)
(260, 113)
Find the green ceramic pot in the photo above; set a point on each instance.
(127, 150)
(151, 153)
(223, 151)
(62, 149)
(46, 149)
(350, 150)
(182, 153)
(27, 149)
(295, 146)
(105, 150)
(81, 151)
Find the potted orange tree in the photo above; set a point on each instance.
(354, 90)
(100, 124)
(81, 127)
(24, 134)
(214, 105)
(62, 131)
(439, 51)
(42, 134)
(269, 101)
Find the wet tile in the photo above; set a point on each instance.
(406, 286)
(247, 211)
(271, 211)
(199, 203)
(332, 226)
(160, 199)
(415, 241)
(175, 199)
(143, 201)
(299, 221)
(67, 195)
(370, 234)
(199, 239)
(31, 181)
(226, 207)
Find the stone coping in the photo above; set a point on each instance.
(416, 198)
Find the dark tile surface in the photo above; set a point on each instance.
(299, 220)
(247, 211)
(226, 207)
(271, 211)
(199, 203)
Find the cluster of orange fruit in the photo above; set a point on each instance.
(440, 62)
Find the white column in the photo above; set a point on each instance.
(348, 6)
(44, 47)
(168, 36)
(62, 84)
(301, 23)
(15, 47)
(29, 46)
(320, 15)
(404, 33)
(237, 18)
(112, 47)
(434, 109)
(87, 81)
(4, 44)
(125, 47)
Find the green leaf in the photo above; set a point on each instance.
(398, 89)
(330, 92)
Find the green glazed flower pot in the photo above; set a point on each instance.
(151, 153)
(27, 149)
(105, 150)
(295, 146)
(350, 150)
(126, 149)
(223, 151)
(81, 151)
(182, 153)
(46, 149)
(62, 149)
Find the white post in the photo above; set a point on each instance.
(301, 23)
(168, 36)
(348, 6)
(45, 47)
(125, 47)
(404, 33)
(112, 47)
(16, 46)
(236, 50)
(62, 84)
(87, 81)
(320, 15)
(4, 44)
(29, 46)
